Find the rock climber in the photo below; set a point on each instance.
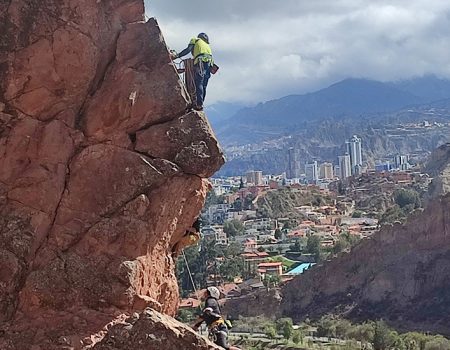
(211, 315)
(191, 236)
(203, 62)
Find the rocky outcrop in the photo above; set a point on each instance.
(102, 169)
(151, 330)
(438, 166)
(260, 302)
(401, 274)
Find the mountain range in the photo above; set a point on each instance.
(348, 99)
(318, 123)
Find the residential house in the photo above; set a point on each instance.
(296, 234)
(251, 261)
(189, 303)
(216, 233)
(230, 290)
(270, 268)
(250, 245)
(216, 213)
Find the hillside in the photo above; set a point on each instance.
(282, 202)
(401, 274)
(438, 166)
(325, 140)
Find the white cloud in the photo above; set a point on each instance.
(267, 49)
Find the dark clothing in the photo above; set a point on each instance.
(211, 314)
(197, 224)
(187, 50)
(202, 74)
(221, 336)
(214, 315)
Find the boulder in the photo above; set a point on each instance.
(151, 330)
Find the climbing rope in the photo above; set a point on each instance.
(186, 70)
(190, 275)
(188, 78)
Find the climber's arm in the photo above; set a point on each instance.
(186, 51)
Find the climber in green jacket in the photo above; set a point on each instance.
(203, 61)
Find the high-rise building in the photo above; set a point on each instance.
(311, 171)
(259, 178)
(345, 167)
(255, 178)
(326, 171)
(337, 170)
(354, 149)
(293, 163)
(401, 162)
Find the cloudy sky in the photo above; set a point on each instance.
(271, 48)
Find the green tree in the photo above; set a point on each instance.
(363, 332)
(231, 268)
(318, 201)
(437, 343)
(271, 280)
(382, 338)
(287, 331)
(397, 342)
(340, 246)
(313, 247)
(345, 241)
(297, 337)
(278, 234)
(232, 250)
(270, 332)
(357, 214)
(290, 224)
(237, 205)
(414, 340)
(248, 202)
(393, 214)
(342, 327)
(296, 247)
(186, 315)
(326, 327)
(282, 322)
(407, 197)
(212, 198)
(201, 261)
(233, 227)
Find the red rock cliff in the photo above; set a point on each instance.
(102, 168)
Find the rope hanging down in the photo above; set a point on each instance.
(190, 274)
(189, 80)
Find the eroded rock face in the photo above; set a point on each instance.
(102, 168)
(438, 166)
(151, 330)
(401, 274)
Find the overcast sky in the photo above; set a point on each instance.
(271, 48)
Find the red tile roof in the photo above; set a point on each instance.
(270, 264)
(189, 303)
(255, 255)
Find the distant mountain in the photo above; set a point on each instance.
(349, 99)
(430, 88)
(219, 112)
